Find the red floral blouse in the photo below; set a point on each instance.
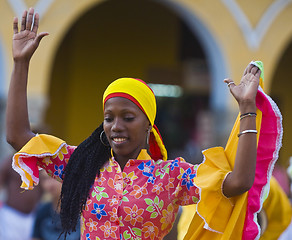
(140, 202)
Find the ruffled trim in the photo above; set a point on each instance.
(210, 176)
(206, 225)
(238, 215)
(25, 161)
(264, 169)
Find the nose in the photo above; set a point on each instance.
(117, 125)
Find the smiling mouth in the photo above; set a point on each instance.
(119, 140)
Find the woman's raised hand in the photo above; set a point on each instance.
(245, 92)
(242, 176)
(26, 41)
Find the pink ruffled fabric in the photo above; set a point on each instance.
(270, 142)
(230, 218)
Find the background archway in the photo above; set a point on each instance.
(144, 40)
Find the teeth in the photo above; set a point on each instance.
(119, 139)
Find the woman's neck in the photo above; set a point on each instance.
(122, 161)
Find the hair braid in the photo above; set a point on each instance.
(83, 166)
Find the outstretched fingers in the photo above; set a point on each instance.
(36, 23)
(40, 36)
(23, 21)
(29, 19)
(15, 25)
(30, 22)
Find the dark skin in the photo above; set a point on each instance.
(126, 128)
(26, 41)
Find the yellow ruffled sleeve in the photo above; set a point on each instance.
(25, 162)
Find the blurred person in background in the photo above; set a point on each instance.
(287, 234)
(47, 225)
(276, 214)
(17, 212)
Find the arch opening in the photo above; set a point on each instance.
(146, 40)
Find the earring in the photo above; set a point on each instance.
(148, 135)
(102, 141)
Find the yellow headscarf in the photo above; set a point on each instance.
(142, 95)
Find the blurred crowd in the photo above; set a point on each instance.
(34, 215)
(29, 215)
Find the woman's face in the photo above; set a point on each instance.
(126, 128)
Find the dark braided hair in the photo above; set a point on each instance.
(83, 166)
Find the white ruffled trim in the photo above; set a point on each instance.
(23, 166)
(275, 156)
(206, 226)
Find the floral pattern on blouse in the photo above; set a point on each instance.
(139, 202)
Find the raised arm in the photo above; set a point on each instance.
(242, 177)
(25, 42)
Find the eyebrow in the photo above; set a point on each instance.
(125, 110)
